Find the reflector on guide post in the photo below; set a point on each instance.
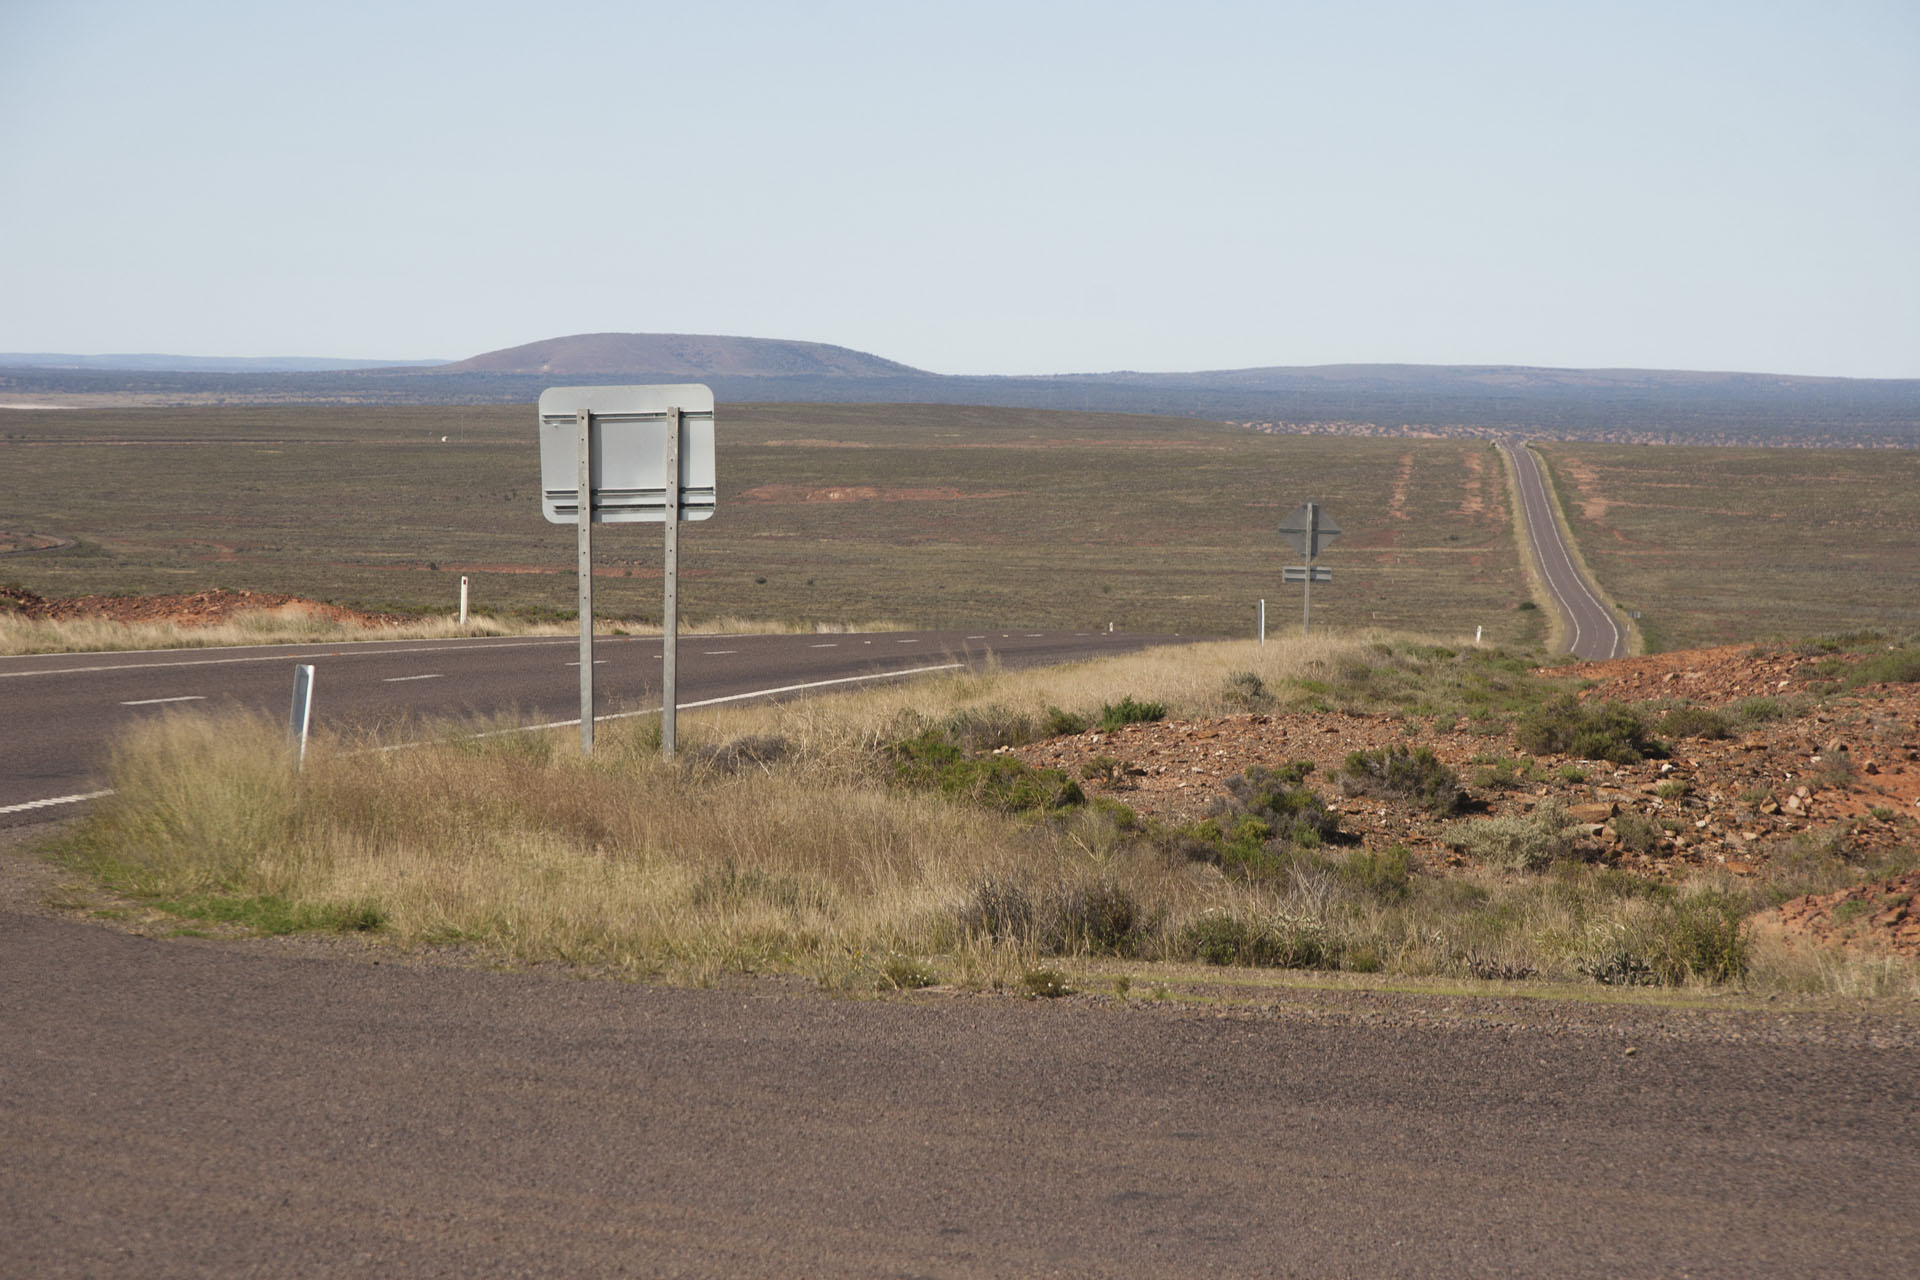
(627, 470)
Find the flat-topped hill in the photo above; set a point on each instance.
(681, 354)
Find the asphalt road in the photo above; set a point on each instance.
(177, 1108)
(58, 711)
(1592, 629)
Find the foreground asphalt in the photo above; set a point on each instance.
(199, 1108)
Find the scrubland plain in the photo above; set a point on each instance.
(1720, 546)
(928, 515)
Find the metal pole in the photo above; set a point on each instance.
(586, 582)
(670, 625)
(1313, 545)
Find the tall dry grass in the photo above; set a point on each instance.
(810, 858)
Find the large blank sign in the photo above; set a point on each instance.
(629, 452)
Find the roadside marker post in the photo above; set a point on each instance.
(617, 455)
(463, 599)
(1310, 531)
(1261, 612)
(302, 713)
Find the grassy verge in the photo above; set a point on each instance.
(19, 636)
(880, 841)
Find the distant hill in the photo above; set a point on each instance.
(150, 362)
(1628, 405)
(681, 355)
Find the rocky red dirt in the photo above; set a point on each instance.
(1844, 768)
(196, 609)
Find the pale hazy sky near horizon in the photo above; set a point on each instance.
(977, 187)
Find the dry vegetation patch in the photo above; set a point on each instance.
(1373, 815)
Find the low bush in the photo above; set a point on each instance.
(1636, 833)
(1097, 918)
(1410, 776)
(1601, 731)
(1519, 842)
(1062, 724)
(1695, 722)
(1266, 817)
(1895, 666)
(1247, 691)
(999, 782)
(1275, 941)
(1385, 875)
(1113, 715)
(1701, 937)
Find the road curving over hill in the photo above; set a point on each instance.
(1592, 630)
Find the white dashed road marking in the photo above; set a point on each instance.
(149, 702)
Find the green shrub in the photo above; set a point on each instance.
(1126, 711)
(1519, 842)
(997, 781)
(1275, 942)
(1411, 776)
(1247, 690)
(1255, 831)
(1045, 984)
(1636, 833)
(1101, 918)
(1070, 919)
(1063, 724)
(1385, 875)
(1603, 731)
(1897, 666)
(1702, 937)
(997, 910)
(904, 973)
(1695, 722)
(1758, 710)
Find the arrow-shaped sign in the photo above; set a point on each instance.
(1309, 529)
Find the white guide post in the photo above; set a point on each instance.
(670, 615)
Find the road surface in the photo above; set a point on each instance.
(1593, 632)
(58, 711)
(181, 1108)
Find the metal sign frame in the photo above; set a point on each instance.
(1310, 530)
(635, 454)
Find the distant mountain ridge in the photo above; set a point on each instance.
(1629, 405)
(682, 354)
(152, 362)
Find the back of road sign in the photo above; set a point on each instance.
(1309, 522)
(629, 454)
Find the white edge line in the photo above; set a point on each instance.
(150, 702)
(49, 803)
(438, 675)
(705, 702)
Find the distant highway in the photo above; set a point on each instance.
(1593, 632)
(58, 712)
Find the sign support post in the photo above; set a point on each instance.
(670, 613)
(1310, 532)
(585, 567)
(617, 455)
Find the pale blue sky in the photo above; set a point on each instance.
(974, 187)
